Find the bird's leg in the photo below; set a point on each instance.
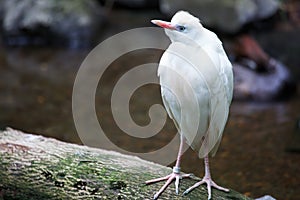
(174, 175)
(208, 180)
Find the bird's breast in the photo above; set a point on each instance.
(194, 95)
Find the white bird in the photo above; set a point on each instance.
(195, 76)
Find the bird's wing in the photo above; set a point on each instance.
(181, 98)
(194, 95)
(221, 98)
(213, 47)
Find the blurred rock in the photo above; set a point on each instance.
(265, 8)
(40, 22)
(266, 197)
(132, 3)
(258, 76)
(225, 15)
(250, 84)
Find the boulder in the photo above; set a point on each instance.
(35, 22)
(275, 84)
(224, 15)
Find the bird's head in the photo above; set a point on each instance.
(182, 27)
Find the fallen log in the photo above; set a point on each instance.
(37, 168)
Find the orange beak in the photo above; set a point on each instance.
(164, 24)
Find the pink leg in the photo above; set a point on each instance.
(208, 180)
(174, 175)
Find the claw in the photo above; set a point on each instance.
(206, 179)
(156, 196)
(185, 192)
(177, 184)
(209, 190)
(209, 183)
(175, 175)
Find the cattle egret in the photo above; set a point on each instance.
(197, 55)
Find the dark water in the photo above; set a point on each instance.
(36, 94)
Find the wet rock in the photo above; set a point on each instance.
(266, 197)
(225, 15)
(258, 76)
(250, 84)
(266, 8)
(40, 22)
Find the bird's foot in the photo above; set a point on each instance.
(175, 175)
(210, 183)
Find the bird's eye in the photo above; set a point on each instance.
(181, 28)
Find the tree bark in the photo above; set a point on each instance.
(37, 168)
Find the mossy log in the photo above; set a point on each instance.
(37, 168)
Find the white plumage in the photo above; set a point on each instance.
(196, 87)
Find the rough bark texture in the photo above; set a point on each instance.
(37, 168)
